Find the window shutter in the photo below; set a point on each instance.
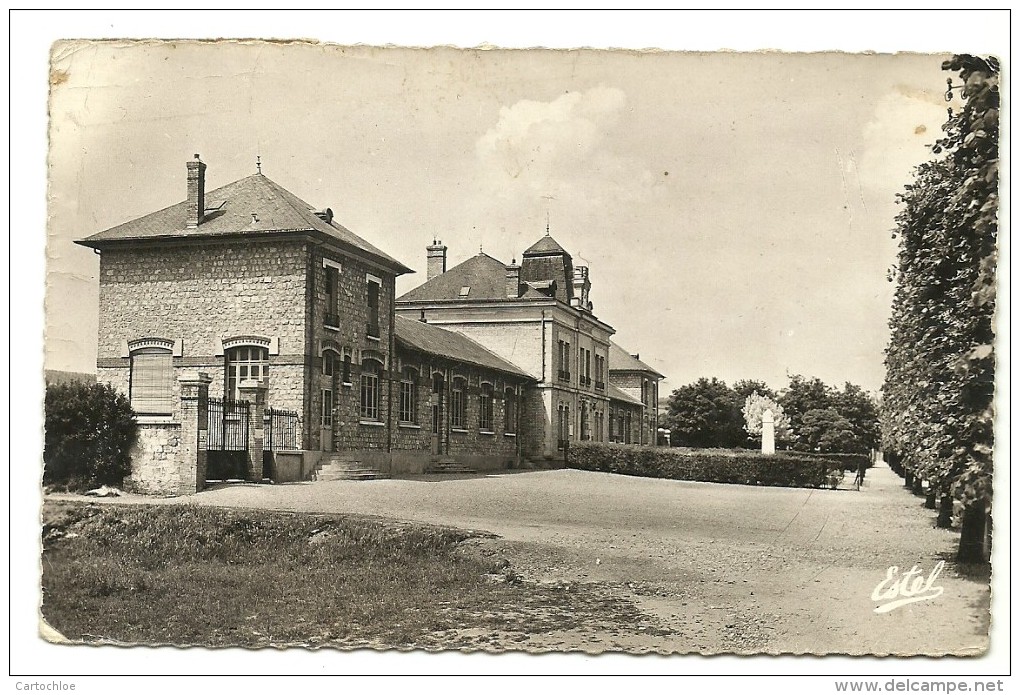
(152, 382)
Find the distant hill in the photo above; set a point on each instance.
(56, 376)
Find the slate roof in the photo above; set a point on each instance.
(621, 360)
(229, 213)
(434, 340)
(616, 394)
(543, 246)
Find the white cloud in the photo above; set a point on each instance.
(563, 151)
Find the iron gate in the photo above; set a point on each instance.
(279, 434)
(227, 439)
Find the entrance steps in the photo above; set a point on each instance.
(445, 464)
(337, 466)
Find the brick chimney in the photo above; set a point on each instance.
(513, 280)
(436, 257)
(196, 193)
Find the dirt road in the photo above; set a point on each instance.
(714, 568)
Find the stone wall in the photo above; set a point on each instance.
(155, 466)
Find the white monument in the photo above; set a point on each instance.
(768, 433)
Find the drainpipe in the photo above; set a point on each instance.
(389, 382)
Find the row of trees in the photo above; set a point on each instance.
(810, 415)
(937, 398)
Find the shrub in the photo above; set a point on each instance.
(711, 466)
(849, 461)
(90, 429)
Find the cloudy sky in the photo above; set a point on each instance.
(734, 208)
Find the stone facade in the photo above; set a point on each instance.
(199, 296)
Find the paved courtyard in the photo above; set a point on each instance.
(717, 568)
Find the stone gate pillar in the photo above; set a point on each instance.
(192, 456)
(255, 393)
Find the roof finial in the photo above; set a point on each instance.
(258, 163)
(547, 223)
(479, 248)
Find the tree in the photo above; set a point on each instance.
(754, 407)
(800, 397)
(90, 429)
(825, 430)
(937, 397)
(705, 414)
(745, 387)
(854, 404)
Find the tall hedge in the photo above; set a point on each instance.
(710, 466)
(90, 429)
(940, 363)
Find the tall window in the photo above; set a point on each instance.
(332, 317)
(564, 360)
(485, 408)
(373, 308)
(457, 403)
(510, 411)
(409, 396)
(152, 381)
(327, 407)
(244, 363)
(346, 376)
(370, 390)
(585, 429)
(600, 372)
(328, 363)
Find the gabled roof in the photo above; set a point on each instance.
(543, 246)
(482, 274)
(254, 206)
(438, 341)
(622, 361)
(616, 394)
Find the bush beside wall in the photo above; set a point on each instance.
(710, 466)
(89, 432)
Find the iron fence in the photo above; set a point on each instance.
(280, 428)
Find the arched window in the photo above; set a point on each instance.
(485, 408)
(152, 381)
(509, 411)
(370, 390)
(409, 396)
(457, 403)
(243, 363)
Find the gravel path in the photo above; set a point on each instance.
(716, 568)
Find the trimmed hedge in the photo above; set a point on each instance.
(850, 462)
(710, 466)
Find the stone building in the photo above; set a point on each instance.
(641, 383)
(538, 316)
(248, 284)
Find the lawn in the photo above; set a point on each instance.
(189, 575)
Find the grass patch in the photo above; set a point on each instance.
(184, 575)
